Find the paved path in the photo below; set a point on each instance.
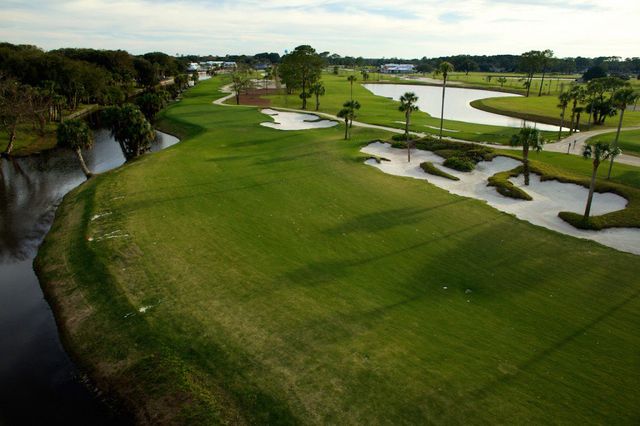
(560, 146)
(582, 137)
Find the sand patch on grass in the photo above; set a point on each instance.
(295, 120)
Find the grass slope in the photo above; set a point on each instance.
(290, 283)
(384, 111)
(545, 109)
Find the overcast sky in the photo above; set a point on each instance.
(369, 28)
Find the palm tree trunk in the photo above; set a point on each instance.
(12, 140)
(317, 101)
(573, 118)
(577, 122)
(304, 92)
(561, 122)
(592, 187)
(615, 141)
(83, 165)
(444, 86)
(542, 82)
(346, 128)
(406, 136)
(525, 163)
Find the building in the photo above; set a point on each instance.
(193, 66)
(397, 68)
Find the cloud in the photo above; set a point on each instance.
(404, 28)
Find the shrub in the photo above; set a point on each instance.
(433, 170)
(505, 187)
(460, 164)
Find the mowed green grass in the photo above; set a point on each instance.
(290, 283)
(629, 141)
(547, 107)
(384, 111)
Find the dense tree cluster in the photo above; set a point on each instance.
(86, 75)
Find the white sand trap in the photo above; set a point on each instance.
(549, 197)
(295, 121)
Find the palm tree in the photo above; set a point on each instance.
(621, 99)
(352, 106)
(599, 152)
(502, 81)
(318, 90)
(76, 135)
(577, 94)
(529, 138)
(444, 68)
(564, 98)
(351, 79)
(344, 113)
(579, 110)
(408, 105)
(130, 129)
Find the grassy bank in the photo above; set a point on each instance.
(264, 276)
(545, 110)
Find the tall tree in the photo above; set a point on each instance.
(545, 58)
(599, 152)
(344, 114)
(302, 66)
(351, 79)
(76, 135)
(130, 129)
(564, 98)
(621, 99)
(15, 107)
(530, 63)
(444, 68)
(408, 105)
(577, 94)
(529, 138)
(317, 89)
(352, 106)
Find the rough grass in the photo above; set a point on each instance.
(433, 170)
(290, 283)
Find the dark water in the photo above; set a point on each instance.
(39, 384)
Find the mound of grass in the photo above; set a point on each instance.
(429, 168)
(505, 187)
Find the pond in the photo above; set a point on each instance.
(457, 103)
(39, 384)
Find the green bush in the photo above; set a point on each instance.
(433, 170)
(505, 187)
(460, 164)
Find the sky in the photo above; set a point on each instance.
(368, 28)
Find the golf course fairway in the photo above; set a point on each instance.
(253, 275)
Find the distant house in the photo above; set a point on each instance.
(397, 68)
(229, 65)
(261, 67)
(193, 66)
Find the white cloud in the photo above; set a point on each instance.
(372, 29)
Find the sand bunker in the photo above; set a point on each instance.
(295, 121)
(549, 197)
